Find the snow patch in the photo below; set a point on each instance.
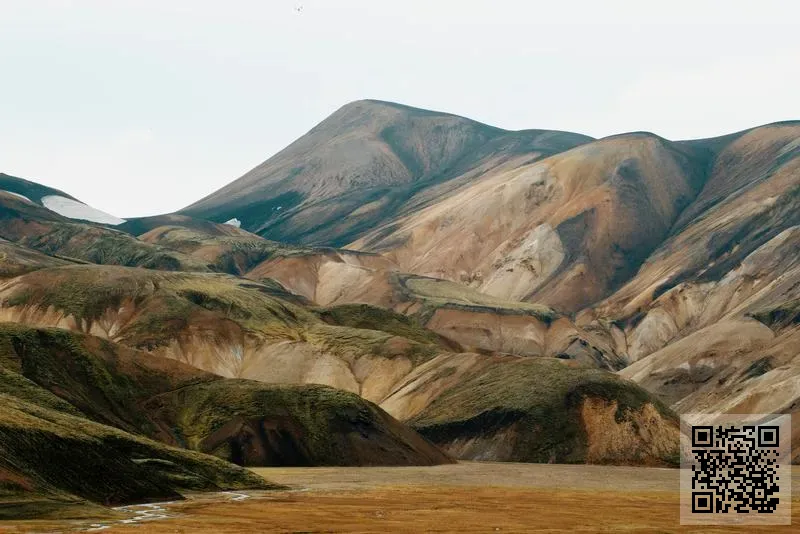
(234, 222)
(23, 197)
(78, 210)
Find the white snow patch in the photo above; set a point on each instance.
(234, 222)
(78, 210)
(23, 197)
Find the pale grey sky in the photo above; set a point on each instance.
(142, 107)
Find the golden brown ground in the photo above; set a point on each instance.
(468, 497)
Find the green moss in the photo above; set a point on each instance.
(151, 396)
(234, 254)
(168, 305)
(779, 316)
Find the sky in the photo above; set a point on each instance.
(140, 107)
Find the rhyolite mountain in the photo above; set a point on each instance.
(515, 296)
(367, 162)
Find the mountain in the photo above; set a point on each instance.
(364, 164)
(565, 231)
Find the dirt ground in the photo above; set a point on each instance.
(468, 497)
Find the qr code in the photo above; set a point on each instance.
(736, 465)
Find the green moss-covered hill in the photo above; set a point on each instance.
(54, 463)
(476, 406)
(226, 248)
(56, 459)
(242, 421)
(543, 410)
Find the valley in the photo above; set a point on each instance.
(468, 497)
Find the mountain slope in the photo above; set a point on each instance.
(543, 410)
(16, 260)
(52, 462)
(367, 162)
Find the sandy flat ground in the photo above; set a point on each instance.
(468, 497)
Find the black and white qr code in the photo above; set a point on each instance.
(736, 468)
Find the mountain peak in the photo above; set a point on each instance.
(367, 157)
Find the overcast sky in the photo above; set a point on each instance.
(142, 107)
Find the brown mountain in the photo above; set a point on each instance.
(366, 163)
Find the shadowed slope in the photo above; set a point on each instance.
(535, 410)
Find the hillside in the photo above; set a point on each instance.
(676, 258)
(245, 422)
(243, 329)
(71, 403)
(566, 231)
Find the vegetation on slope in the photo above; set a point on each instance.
(235, 252)
(53, 455)
(150, 309)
